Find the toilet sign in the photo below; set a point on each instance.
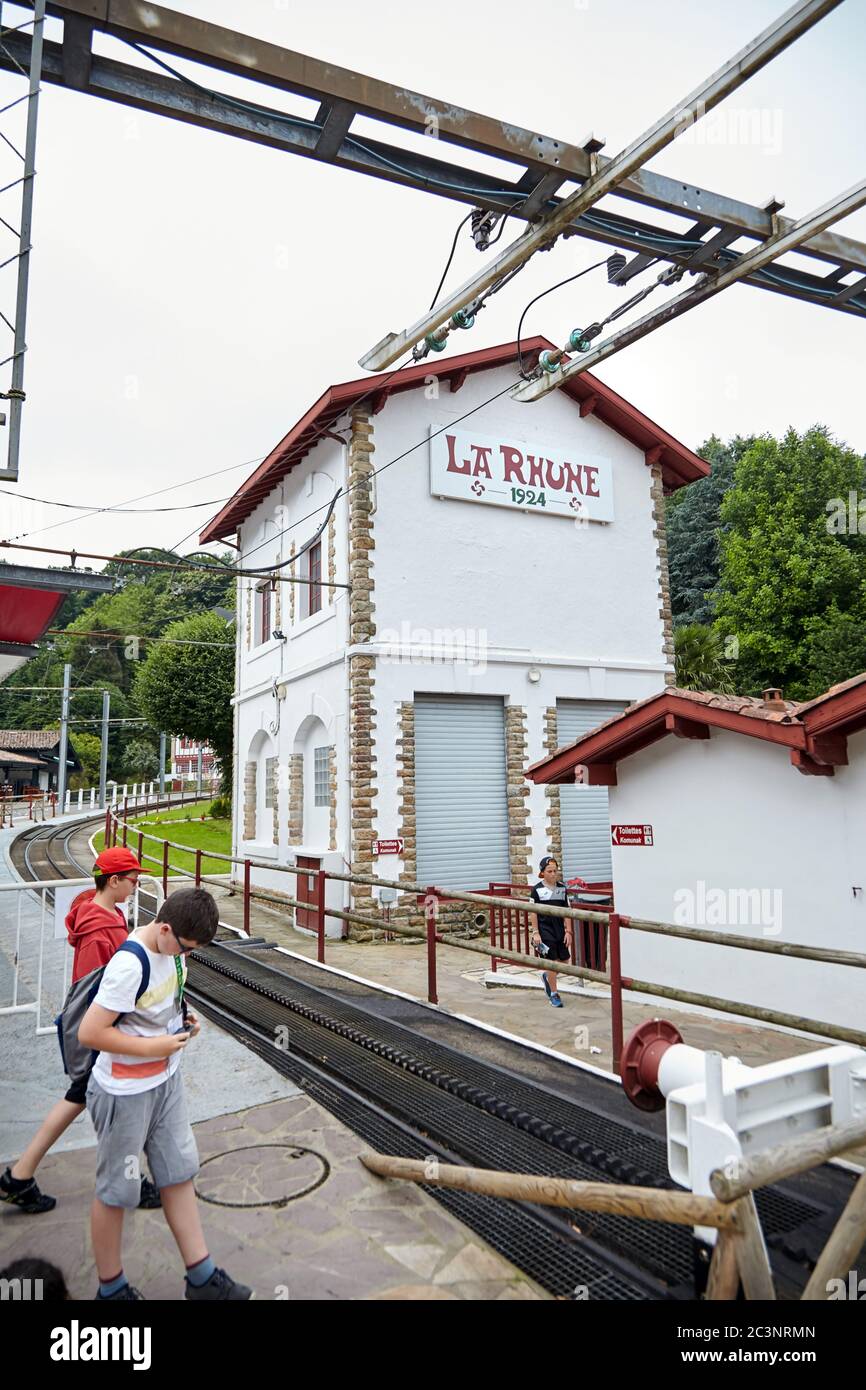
(631, 834)
(388, 846)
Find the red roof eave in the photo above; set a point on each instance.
(647, 723)
(679, 464)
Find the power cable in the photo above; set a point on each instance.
(558, 286)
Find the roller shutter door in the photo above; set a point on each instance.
(461, 806)
(584, 814)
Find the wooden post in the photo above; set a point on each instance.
(843, 1247)
(724, 1277)
(198, 868)
(752, 1258)
(247, 896)
(165, 867)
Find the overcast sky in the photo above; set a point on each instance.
(192, 294)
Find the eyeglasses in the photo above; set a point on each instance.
(184, 950)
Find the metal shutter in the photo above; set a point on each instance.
(461, 806)
(584, 814)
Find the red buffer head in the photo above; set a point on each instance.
(641, 1057)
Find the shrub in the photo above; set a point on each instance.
(220, 808)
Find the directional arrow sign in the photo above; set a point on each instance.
(631, 834)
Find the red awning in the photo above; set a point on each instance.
(26, 613)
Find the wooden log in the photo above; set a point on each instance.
(843, 1247)
(751, 943)
(752, 1258)
(730, 1006)
(785, 1160)
(618, 1199)
(724, 1276)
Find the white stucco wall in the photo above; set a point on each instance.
(731, 813)
(515, 590)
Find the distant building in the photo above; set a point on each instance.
(30, 758)
(184, 759)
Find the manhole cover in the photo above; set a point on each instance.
(261, 1175)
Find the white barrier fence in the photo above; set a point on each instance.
(44, 805)
(35, 957)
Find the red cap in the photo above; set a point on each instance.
(116, 861)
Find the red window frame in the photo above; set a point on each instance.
(265, 613)
(315, 577)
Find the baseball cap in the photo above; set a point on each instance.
(117, 860)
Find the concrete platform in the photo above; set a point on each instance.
(354, 1236)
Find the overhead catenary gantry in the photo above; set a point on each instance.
(638, 202)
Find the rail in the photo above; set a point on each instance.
(432, 895)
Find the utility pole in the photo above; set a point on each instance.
(103, 750)
(162, 765)
(64, 739)
(15, 394)
(199, 770)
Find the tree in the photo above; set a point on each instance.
(793, 584)
(700, 660)
(187, 689)
(693, 525)
(140, 761)
(88, 748)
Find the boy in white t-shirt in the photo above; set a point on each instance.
(135, 1095)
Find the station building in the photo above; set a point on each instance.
(508, 590)
(743, 817)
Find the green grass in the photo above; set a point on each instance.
(214, 835)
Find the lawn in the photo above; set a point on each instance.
(182, 825)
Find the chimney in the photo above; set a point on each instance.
(772, 698)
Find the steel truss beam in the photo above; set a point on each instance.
(751, 59)
(708, 286)
(542, 164)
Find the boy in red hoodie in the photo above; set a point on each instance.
(95, 927)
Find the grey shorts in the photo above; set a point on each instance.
(155, 1121)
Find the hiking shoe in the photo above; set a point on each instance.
(25, 1195)
(219, 1286)
(150, 1198)
(556, 1001)
(546, 983)
(127, 1294)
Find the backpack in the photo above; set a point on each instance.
(78, 1060)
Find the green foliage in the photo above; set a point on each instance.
(140, 761)
(700, 662)
(187, 689)
(143, 605)
(792, 587)
(87, 748)
(693, 525)
(221, 807)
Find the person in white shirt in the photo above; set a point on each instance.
(135, 1094)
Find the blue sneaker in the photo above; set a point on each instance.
(556, 1001)
(546, 983)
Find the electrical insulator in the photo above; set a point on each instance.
(436, 343)
(580, 339)
(462, 319)
(549, 361)
(615, 264)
